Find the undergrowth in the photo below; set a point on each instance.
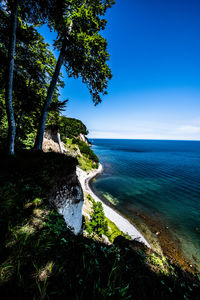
(41, 259)
(87, 159)
(100, 225)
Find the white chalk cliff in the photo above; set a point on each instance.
(67, 196)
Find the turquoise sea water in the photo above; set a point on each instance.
(158, 178)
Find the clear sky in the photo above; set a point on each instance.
(154, 51)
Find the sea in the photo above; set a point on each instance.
(157, 178)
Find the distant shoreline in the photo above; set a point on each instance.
(120, 221)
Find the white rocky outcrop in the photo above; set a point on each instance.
(83, 138)
(67, 196)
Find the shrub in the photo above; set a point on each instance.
(98, 223)
(70, 127)
(86, 150)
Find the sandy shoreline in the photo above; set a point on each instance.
(121, 222)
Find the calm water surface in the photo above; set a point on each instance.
(158, 178)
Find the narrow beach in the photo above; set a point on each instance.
(121, 222)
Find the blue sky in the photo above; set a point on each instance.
(154, 51)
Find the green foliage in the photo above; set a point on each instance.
(88, 159)
(70, 127)
(86, 164)
(86, 150)
(73, 128)
(85, 50)
(3, 122)
(98, 223)
(82, 50)
(113, 232)
(41, 259)
(159, 263)
(34, 65)
(28, 141)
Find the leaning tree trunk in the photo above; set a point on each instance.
(41, 128)
(9, 82)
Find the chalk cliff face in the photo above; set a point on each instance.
(67, 196)
(83, 138)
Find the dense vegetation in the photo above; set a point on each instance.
(41, 259)
(70, 127)
(34, 65)
(98, 223)
(86, 157)
(30, 74)
(86, 150)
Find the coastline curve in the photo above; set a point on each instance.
(121, 222)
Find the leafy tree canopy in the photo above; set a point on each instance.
(70, 127)
(85, 49)
(34, 66)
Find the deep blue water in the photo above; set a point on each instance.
(158, 178)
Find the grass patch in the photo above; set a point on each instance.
(86, 150)
(86, 164)
(113, 231)
(87, 160)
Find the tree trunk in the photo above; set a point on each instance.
(59, 142)
(9, 82)
(41, 128)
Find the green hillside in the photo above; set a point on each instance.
(41, 259)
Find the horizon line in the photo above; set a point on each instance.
(93, 138)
